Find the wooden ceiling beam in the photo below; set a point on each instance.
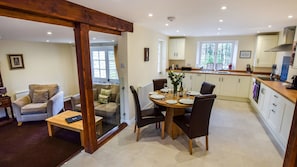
(68, 11)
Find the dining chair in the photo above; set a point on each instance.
(146, 116)
(196, 124)
(206, 88)
(159, 84)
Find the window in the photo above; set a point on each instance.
(103, 64)
(161, 57)
(216, 55)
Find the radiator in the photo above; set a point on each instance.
(20, 94)
(143, 95)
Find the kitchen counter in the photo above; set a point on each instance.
(222, 72)
(280, 87)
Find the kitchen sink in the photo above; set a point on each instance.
(268, 79)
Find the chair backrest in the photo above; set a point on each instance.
(52, 89)
(159, 83)
(137, 104)
(199, 120)
(207, 88)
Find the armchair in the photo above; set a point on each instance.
(43, 101)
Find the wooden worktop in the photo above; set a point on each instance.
(280, 87)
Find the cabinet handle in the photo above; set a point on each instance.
(222, 79)
(273, 111)
(275, 96)
(238, 80)
(274, 104)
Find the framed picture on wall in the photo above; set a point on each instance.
(146, 54)
(16, 61)
(245, 54)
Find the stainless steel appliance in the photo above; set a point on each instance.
(273, 76)
(294, 83)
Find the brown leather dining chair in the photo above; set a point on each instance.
(196, 124)
(146, 116)
(159, 84)
(206, 88)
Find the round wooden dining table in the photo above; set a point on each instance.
(175, 105)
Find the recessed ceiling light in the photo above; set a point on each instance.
(150, 15)
(166, 24)
(112, 40)
(269, 26)
(290, 16)
(177, 30)
(49, 33)
(258, 31)
(221, 20)
(219, 29)
(223, 7)
(94, 38)
(47, 40)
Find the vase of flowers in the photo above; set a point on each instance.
(176, 79)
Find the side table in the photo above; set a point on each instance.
(5, 102)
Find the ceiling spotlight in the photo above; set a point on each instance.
(223, 7)
(49, 33)
(166, 24)
(221, 20)
(219, 29)
(177, 30)
(171, 18)
(150, 15)
(269, 26)
(290, 16)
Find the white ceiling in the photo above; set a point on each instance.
(192, 18)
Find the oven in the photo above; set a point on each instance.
(256, 90)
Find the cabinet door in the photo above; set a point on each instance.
(276, 111)
(287, 122)
(228, 85)
(187, 81)
(263, 102)
(243, 86)
(197, 81)
(265, 42)
(177, 48)
(216, 80)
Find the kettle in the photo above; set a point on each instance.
(294, 84)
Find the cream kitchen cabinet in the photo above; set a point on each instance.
(177, 48)
(243, 86)
(286, 122)
(230, 85)
(277, 113)
(276, 110)
(225, 84)
(262, 58)
(193, 81)
(263, 101)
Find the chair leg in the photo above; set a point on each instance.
(135, 128)
(190, 146)
(162, 129)
(138, 133)
(206, 142)
(20, 123)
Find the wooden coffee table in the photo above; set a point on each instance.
(59, 121)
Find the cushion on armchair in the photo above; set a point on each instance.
(40, 96)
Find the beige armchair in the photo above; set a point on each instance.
(43, 101)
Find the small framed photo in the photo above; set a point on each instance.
(245, 54)
(16, 61)
(146, 54)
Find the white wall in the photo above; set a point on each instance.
(140, 72)
(244, 43)
(44, 63)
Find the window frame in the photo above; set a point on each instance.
(107, 79)
(216, 42)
